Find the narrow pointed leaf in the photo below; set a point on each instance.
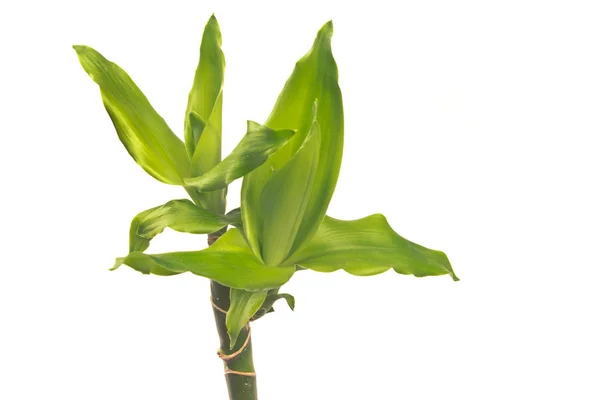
(286, 196)
(229, 261)
(272, 298)
(206, 89)
(145, 134)
(315, 78)
(368, 246)
(203, 121)
(244, 305)
(252, 151)
(179, 215)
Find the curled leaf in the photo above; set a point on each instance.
(314, 79)
(179, 215)
(368, 246)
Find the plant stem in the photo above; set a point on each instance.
(239, 370)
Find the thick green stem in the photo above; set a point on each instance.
(239, 367)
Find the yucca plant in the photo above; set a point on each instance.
(289, 166)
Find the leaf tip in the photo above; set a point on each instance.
(453, 276)
(118, 262)
(326, 30)
(449, 267)
(212, 27)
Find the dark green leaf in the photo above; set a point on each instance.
(229, 261)
(146, 136)
(244, 305)
(179, 215)
(368, 246)
(252, 151)
(236, 216)
(196, 125)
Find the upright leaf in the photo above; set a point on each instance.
(286, 197)
(179, 215)
(368, 246)
(203, 116)
(244, 305)
(252, 151)
(229, 261)
(313, 79)
(146, 136)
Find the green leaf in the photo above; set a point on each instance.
(286, 196)
(145, 134)
(368, 246)
(272, 298)
(196, 126)
(179, 215)
(236, 216)
(244, 305)
(252, 151)
(229, 261)
(315, 78)
(205, 93)
(203, 116)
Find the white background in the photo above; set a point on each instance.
(471, 125)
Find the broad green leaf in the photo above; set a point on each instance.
(203, 116)
(252, 151)
(315, 78)
(146, 136)
(179, 215)
(229, 261)
(244, 305)
(368, 246)
(286, 196)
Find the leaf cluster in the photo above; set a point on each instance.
(289, 165)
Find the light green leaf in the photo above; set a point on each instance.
(206, 90)
(315, 78)
(179, 215)
(203, 116)
(368, 246)
(286, 196)
(146, 136)
(252, 151)
(229, 261)
(244, 305)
